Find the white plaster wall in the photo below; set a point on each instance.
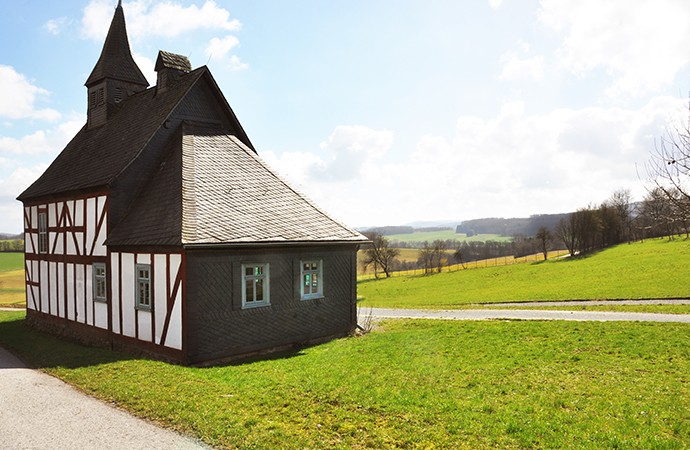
(174, 337)
(60, 288)
(101, 315)
(114, 301)
(128, 296)
(144, 325)
(88, 280)
(52, 291)
(79, 288)
(160, 276)
(70, 291)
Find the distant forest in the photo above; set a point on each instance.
(527, 226)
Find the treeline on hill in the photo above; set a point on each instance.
(527, 226)
(11, 242)
(404, 229)
(614, 221)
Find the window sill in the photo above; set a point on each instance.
(255, 305)
(101, 300)
(142, 308)
(313, 297)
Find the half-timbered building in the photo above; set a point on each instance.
(159, 228)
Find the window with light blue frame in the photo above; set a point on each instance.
(99, 282)
(143, 286)
(311, 279)
(255, 285)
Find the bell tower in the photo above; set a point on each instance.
(115, 77)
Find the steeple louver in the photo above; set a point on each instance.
(115, 76)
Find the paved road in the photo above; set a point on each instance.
(38, 411)
(521, 314)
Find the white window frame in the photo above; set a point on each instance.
(43, 232)
(143, 303)
(307, 292)
(103, 278)
(263, 277)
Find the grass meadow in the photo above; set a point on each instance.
(410, 384)
(444, 235)
(12, 291)
(640, 270)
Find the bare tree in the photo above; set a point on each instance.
(544, 239)
(439, 251)
(379, 254)
(669, 169)
(426, 257)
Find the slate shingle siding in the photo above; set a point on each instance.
(218, 326)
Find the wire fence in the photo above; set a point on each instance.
(483, 263)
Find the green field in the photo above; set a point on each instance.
(12, 291)
(411, 384)
(651, 269)
(11, 261)
(430, 236)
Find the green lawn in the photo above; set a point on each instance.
(652, 269)
(654, 309)
(11, 261)
(411, 384)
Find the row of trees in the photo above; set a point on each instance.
(16, 245)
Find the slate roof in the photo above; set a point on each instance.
(213, 189)
(97, 155)
(116, 60)
(167, 60)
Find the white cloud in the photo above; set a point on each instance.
(55, 26)
(18, 97)
(495, 4)
(41, 142)
(147, 18)
(14, 180)
(513, 66)
(642, 45)
(514, 164)
(218, 49)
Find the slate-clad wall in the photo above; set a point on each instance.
(218, 327)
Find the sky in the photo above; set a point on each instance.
(384, 112)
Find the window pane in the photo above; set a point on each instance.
(249, 271)
(249, 290)
(259, 290)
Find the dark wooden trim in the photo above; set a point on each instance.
(30, 284)
(74, 259)
(65, 288)
(136, 288)
(182, 273)
(171, 302)
(109, 290)
(152, 296)
(74, 281)
(119, 291)
(159, 250)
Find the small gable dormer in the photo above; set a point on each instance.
(115, 77)
(169, 67)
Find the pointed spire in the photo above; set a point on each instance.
(116, 60)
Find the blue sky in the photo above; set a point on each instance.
(383, 112)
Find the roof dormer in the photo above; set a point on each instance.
(169, 67)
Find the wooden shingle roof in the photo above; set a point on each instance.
(116, 60)
(214, 190)
(95, 156)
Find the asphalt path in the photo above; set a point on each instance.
(522, 314)
(38, 411)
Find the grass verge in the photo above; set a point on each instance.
(649, 269)
(413, 384)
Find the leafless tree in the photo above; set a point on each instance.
(544, 239)
(379, 254)
(668, 170)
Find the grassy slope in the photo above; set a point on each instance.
(652, 269)
(12, 279)
(414, 384)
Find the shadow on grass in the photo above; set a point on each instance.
(43, 351)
